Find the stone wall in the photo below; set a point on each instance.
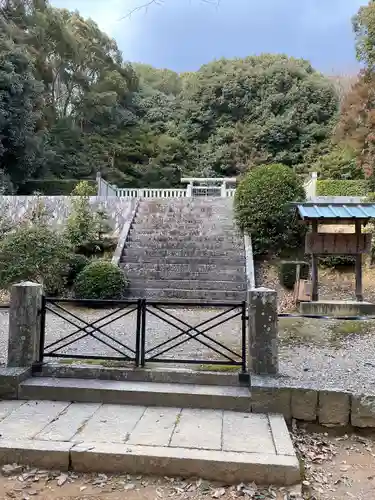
(59, 208)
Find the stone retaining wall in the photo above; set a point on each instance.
(327, 407)
(59, 207)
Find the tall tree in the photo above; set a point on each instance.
(260, 109)
(356, 126)
(21, 139)
(364, 29)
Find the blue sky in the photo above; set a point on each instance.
(184, 34)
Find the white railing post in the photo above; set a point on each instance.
(224, 189)
(189, 190)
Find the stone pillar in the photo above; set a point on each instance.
(189, 190)
(24, 324)
(263, 330)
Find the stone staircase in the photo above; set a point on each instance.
(187, 248)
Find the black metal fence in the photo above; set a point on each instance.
(94, 329)
(157, 332)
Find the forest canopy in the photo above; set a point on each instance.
(72, 105)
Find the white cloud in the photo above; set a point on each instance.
(106, 13)
(110, 15)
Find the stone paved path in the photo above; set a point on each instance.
(113, 438)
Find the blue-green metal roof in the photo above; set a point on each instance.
(363, 211)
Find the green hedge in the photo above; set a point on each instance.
(332, 187)
(51, 187)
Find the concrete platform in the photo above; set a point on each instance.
(136, 393)
(338, 308)
(91, 437)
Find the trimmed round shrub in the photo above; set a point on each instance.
(34, 253)
(77, 263)
(263, 208)
(100, 280)
(288, 273)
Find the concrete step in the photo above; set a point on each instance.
(208, 208)
(183, 237)
(188, 227)
(183, 271)
(169, 293)
(187, 245)
(181, 284)
(136, 393)
(199, 215)
(160, 373)
(230, 447)
(139, 253)
(138, 232)
(212, 260)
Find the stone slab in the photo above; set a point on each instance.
(333, 408)
(68, 423)
(155, 427)
(42, 454)
(29, 419)
(247, 433)
(226, 467)
(7, 407)
(280, 434)
(199, 429)
(10, 378)
(271, 400)
(111, 424)
(213, 444)
(363, 411)
(304, 404)
(338, 308)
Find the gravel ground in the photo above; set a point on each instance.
(344, 362)
(316, 353)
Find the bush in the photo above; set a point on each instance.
(262, 208)
(97, 248)
(288, 273)
(34, 253)
(81, 223)
(84, 188)
(76, 264)
(340, 163)
(100, 280)
(85, 227)
(358, 187)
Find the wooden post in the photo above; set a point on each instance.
(296, 286)
(314, 267)
(358, 267)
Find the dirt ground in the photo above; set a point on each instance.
(333, 284)
(335, 468)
